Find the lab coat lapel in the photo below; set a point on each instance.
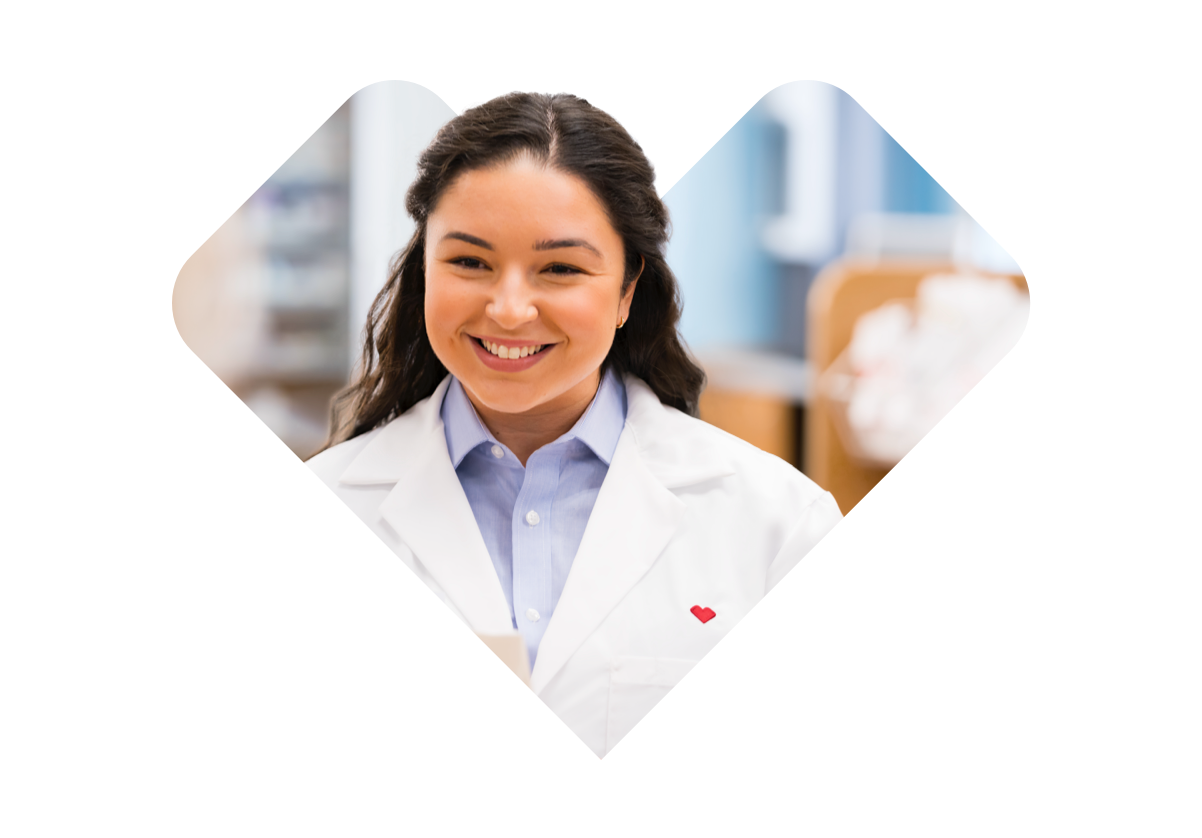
(635, 517)
(431, 514)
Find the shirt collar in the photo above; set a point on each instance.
(599, 427)
(463, 427)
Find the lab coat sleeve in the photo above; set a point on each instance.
(819, 518)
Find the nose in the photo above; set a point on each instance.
(512, 304)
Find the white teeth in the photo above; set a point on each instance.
(510, 353)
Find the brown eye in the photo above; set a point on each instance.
(467, 262)
(562, 270)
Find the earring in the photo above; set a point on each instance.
(621, 322)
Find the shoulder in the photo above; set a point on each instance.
(674, 442)
(730, 485)
(708, 440)
(331, 463)
(384, 449)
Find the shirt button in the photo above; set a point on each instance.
(532, 520)
(532, 615)
(498, 451)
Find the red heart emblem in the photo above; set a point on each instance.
(703, 614)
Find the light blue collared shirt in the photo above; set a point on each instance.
(533, 518)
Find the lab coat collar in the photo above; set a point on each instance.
(634, 518)
(430, 512)
(390, 455)
(668, 443)
(677, 450)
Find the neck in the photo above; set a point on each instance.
(525, 433)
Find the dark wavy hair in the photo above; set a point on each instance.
(398, 366)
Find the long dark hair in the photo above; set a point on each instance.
(399, 368)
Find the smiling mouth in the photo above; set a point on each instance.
(511, 352)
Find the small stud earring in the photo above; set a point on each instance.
(621, 322)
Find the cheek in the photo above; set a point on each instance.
(444, 309)
(586, 320)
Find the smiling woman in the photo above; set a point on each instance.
(568, 152)
(522, 434)
(523, 261)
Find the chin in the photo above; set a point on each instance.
(506, 396)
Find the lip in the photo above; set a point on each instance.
(507, 364)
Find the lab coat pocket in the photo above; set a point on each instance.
(635, 686)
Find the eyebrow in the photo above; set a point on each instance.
(466, 237)
(561, 243)
(546, 244)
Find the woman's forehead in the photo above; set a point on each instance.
(523, 198)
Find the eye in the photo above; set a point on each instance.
(560, 269)
(469, 262)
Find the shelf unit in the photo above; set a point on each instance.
(300, 220)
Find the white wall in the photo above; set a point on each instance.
(391, 123)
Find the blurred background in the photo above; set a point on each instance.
(275, 301)
(840, 301)
(265, 301)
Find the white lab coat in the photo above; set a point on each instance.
(688, 516)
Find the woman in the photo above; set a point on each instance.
(522, 433)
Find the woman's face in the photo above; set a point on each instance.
(523, 287)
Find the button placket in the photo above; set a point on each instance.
(532, 545)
